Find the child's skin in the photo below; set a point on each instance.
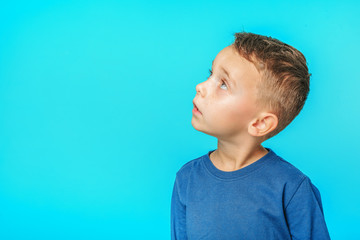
(224, 107)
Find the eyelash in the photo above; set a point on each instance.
(222, 82)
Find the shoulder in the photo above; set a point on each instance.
(290, 177)
(283, 170)
(186, 169)
(183, 175)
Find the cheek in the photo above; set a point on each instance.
(242, 110)
(225, 112)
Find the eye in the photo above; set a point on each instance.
(223, 84)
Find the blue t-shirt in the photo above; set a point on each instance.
(268, 199)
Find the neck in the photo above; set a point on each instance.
(231, 157)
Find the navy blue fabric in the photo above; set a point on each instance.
(268, 199)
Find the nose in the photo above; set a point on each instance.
(200, 88)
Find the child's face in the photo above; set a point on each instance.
(227, 102)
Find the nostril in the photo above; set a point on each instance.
(199, 88)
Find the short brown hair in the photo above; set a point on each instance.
(285, 79)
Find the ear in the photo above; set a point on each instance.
(263, 124)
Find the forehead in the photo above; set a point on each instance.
(230, 57)
(238, 69)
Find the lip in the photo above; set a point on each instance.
(195, 109)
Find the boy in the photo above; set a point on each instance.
(242, 190)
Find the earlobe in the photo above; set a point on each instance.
(263, 125)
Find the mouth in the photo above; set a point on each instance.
(196, 110)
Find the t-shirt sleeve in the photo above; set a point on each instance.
(304, 213)
(178, 215)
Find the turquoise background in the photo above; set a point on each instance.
(96, 100)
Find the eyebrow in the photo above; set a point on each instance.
(227, 74)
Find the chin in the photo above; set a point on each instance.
(194, 126)
(204, 131)
(193, 123)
